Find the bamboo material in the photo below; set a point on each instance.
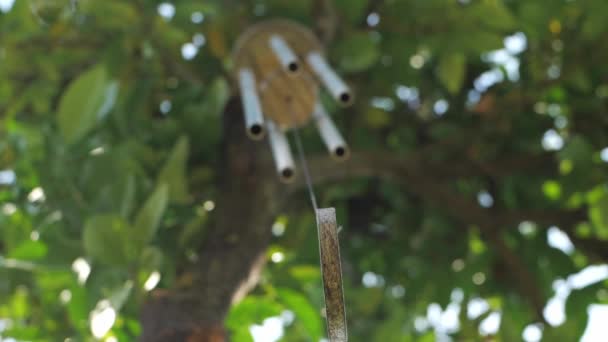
(254, 120)
(299, 38)
(281, 153)
(332, 82)
(329, 133)
(287, 98)
(284, 54)
(329, 248)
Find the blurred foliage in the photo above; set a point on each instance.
(112, 136)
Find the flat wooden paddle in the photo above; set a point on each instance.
(332, 274)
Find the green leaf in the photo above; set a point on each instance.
(576, 315)
(428, 337)
(128, 196)
(598, 214)
(252, 309)
(85, 101)
(451, 71)
(119, 296)
(391, 328)
(149, 216)
(476, 245)
(174, 171)
(305, 274)
(357, 52)
(193, 231)
(595, 23)
(377, 118)
(77, 308)
(49, 12)
(579, 150)
(516, 316)
(18, 303)
(369, 300)
(580, 79)
(241, 334)
(104, 239)
(304, 311)
(29, 250)
(217, 96)
(476, 42)
(151, 258)
(552, 190)
(493, 14)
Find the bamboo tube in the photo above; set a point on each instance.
(281, 153)
(334, 84)
(254, 120)
(329, 134)
(284, 54)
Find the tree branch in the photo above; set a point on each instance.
(326, 20)
(423, 178)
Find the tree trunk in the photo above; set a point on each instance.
(231, 256)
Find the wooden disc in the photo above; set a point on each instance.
(288, 99)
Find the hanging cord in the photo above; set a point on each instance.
(305, 169)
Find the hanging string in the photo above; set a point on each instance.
(302, 156)
(304, 164)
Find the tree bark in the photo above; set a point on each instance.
(231, 256)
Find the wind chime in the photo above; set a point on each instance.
(278, 67)
(280, 93)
